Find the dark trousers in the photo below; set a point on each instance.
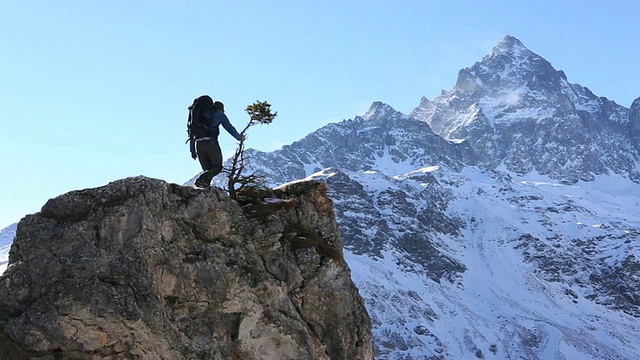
(210, 157)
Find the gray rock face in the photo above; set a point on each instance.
(143, 269)
(634, 123)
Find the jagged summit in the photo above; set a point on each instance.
(509, 44)
(378, 110)
(510, 66)
(517, 110)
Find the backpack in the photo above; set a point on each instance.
(198, 125)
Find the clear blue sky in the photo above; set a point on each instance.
(94, 91)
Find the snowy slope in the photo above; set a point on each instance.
(6, 238)
(528, 246)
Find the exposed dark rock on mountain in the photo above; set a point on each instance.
(143, 269)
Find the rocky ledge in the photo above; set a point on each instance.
(144, 269)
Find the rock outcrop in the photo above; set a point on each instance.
(143, 269)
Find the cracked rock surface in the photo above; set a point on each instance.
(142, 269)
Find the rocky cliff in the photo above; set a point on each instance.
(142, 269)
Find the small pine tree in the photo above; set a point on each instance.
(259, 113)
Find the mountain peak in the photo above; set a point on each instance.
(511, 50)
(510, 43)
(378, 109)
(509, 67)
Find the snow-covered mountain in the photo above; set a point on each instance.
(515, 109)
(499, 220)
(499, 266)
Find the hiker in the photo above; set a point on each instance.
(204, 144)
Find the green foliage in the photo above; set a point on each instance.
(259, 113)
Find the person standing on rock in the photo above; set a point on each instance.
(205, 117)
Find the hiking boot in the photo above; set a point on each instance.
(203, 181)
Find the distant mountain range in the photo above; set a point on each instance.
(498, 220)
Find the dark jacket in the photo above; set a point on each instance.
(217, 118)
